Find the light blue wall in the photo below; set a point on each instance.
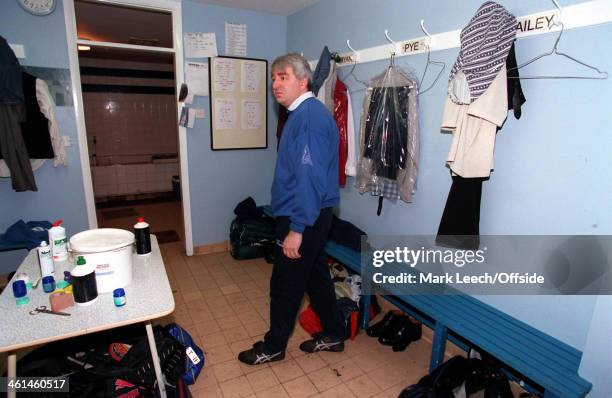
(60, 190)
(552, 167)
(221, 179)
(596, 364)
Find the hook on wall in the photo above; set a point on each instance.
(425, 30)
(355, 52)
(390, 40)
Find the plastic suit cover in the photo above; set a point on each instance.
(389, 136)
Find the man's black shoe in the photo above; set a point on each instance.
(258, 355)
(322, 343)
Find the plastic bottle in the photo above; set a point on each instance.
(143, 237)
(45, 259)
(57, 238)
(84, 286)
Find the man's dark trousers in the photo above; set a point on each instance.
(292, 278)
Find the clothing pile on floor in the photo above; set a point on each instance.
(348, 293)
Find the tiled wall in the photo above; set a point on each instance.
(127, 131)
(132, 179)
(129, 128)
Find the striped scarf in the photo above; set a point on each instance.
(485, 43)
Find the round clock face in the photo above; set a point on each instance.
(38, 7)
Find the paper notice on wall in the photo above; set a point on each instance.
(199, 113)
(191, 118)
(225, 114)
(200, 45)
(251, 75)
(196, 76)
(225, 74)
(235, 39)
(251, 115)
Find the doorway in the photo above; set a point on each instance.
(136, 152)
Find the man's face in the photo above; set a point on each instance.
(286, 86)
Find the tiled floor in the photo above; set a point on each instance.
(224, 304)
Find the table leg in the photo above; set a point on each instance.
(12, 370)
(156, 364)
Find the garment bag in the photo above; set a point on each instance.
(389, 136)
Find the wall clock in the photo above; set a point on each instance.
(38, 7)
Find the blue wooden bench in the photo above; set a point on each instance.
(546, 365)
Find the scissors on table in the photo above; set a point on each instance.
(45, 310)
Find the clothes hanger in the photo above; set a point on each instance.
(602, 74)
(442, 65)
(394, 44)
(355, 59)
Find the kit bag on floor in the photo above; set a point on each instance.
(251, 238)
(110, 364)
(194, 358)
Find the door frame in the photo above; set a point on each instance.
(174, 7)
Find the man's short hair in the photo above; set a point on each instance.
(301, 68)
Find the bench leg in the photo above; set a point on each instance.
(438, 347)
(365, 311)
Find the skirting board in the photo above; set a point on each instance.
(211, 248)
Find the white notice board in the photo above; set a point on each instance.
(238, 103)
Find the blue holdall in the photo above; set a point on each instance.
(194, 361)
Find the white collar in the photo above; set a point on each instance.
(299, 100)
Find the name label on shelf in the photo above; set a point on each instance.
(413, 46)
(535, 23)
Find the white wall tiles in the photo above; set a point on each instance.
(133, 179)
(130, 127)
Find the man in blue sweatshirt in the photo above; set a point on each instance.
(304, 192)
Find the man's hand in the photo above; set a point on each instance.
(291, 245)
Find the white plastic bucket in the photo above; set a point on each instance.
(109, 250)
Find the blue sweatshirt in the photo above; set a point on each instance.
(306, 175)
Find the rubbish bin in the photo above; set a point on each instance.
(176, 187)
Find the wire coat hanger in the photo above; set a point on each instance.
(442, 65)
(355, 59)
(557, 22)
(394, 44)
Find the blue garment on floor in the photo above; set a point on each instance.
(29, 234)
